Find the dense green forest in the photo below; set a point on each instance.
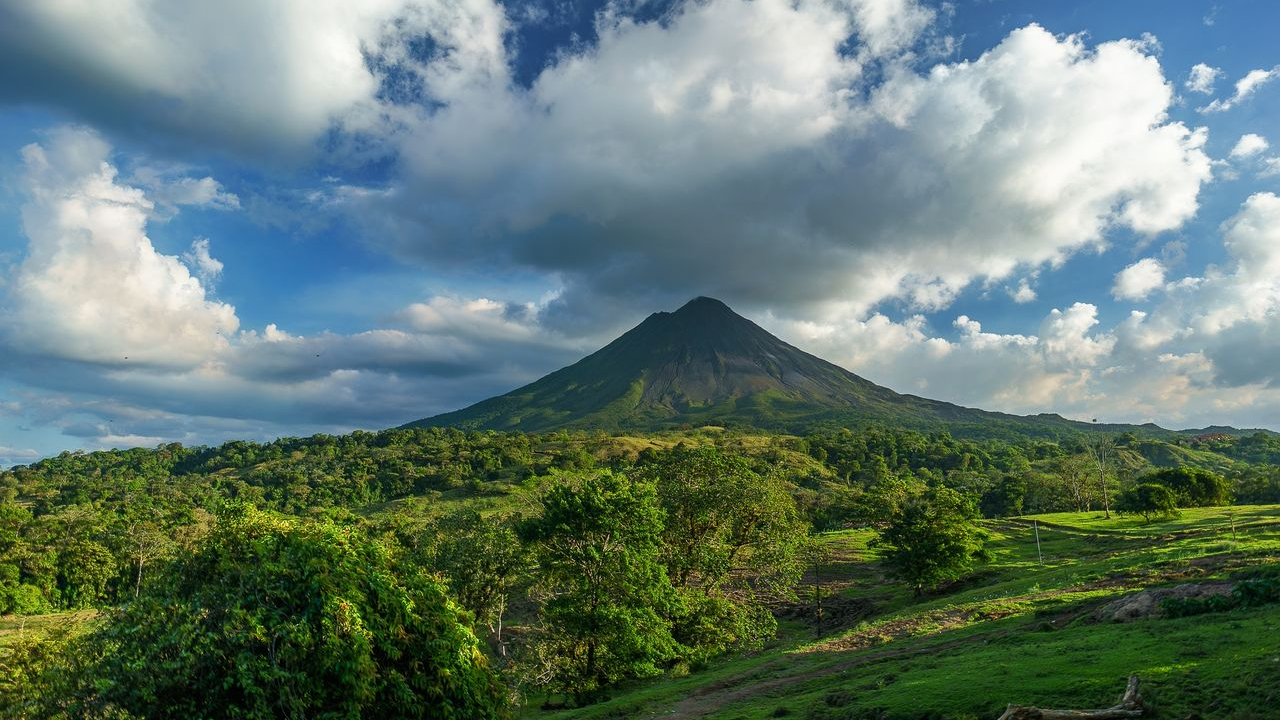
(569, 562)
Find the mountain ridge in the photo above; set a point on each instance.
(704, 364)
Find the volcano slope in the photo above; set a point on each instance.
(706, 365)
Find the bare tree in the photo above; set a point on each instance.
(147, 542)
(1102, 450)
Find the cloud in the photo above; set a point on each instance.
(1023, 293)
(207, 268)
(1206, 352)
(1203, 78)
(171, 188)
(14, 455)
(1136, 281)
(1245, 87)
(116, 343)
(92, 286)
(1248, 145)
(258, 79)
(737, 150)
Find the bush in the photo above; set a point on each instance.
(1150, 500)
(932, 540)
(273, 617)
(1245, 594)
(1193, 487)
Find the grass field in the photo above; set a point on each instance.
(14, 627)
(1019, 631)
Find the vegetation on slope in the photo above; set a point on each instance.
(691, 594)
(705, 364)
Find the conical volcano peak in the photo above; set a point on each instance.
(704, 305)
(701, 363)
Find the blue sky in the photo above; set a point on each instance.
(254, 221)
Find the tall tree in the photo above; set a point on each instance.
(605, 596)
(483, 559)
(1075, 473)
(932, 540)
(733, 539)
(1103, 451)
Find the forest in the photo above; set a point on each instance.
(316, 577)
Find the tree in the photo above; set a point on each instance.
(482, 559)
(932, 540)
(1075, 473)
(1150, 500)
(280, 618)
(732, 540)
(1192, 486)
(1006, 498)
(1103, 450)
(604, 591)
(146, 541)
(84, 569)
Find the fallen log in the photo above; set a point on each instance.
(1130, 707)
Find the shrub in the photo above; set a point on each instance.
(1150, 500)
(273, 617)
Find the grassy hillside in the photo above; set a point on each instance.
(1015, 629)
(1019, 631)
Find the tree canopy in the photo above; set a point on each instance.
(278, 618)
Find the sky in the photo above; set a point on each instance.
(252, 220)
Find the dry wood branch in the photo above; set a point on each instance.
(1130, 707)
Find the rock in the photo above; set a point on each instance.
(1147, 602)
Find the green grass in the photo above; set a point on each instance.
(1017, 631)
(15, 627)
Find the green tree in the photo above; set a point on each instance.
(604, 592)
(932, 540)
(483, 559)
(84, 569)
(1192, 486)
(280, 618)
(1006, 498)
(733, 540)
(1150, 500)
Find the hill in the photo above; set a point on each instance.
(1026, 628)
(706, 365)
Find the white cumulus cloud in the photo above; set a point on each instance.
(723, 152)
(1202, 79)
(1138, 280)
(1245, 87)
(1248, 145)
(93, 287)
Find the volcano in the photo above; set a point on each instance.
(704, 364)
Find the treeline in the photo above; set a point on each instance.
(83, 529)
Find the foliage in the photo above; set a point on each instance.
(932, 540)
(274, 617)
(482, 559)
(1006, 498)
(732, 541)
(605, 593)
(1193, 487)
(34, 673)
(1253, 592)
(1150, 500)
